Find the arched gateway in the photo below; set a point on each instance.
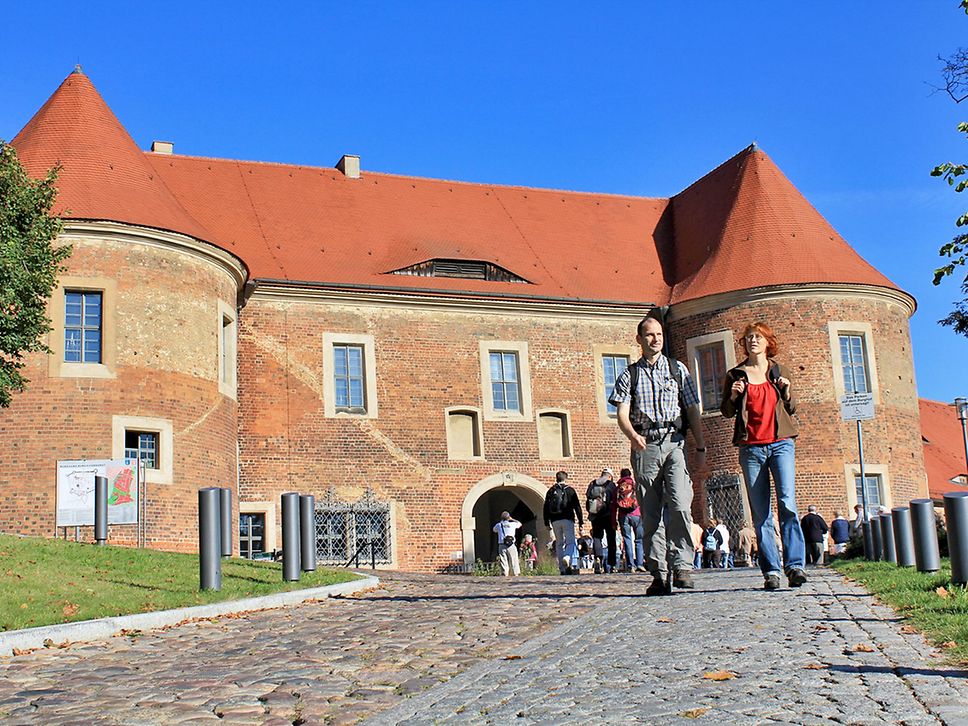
(519, 494)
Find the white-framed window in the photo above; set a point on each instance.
(853, 359)
(709, 357)
(505, 380)
(878, 481)
(227, 350)
(608, 363)
(83, 337)
(464, 436)
(613, 365)
(148, 439)
(349, 375)
(873, 482)
(554, 434)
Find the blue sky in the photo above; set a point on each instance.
(627, 98)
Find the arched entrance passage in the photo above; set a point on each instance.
(516, 493)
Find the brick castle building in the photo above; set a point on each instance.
(420, 354)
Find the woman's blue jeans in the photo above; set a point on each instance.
(758, 462)
(632, 537)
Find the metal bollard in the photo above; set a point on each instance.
(888, 550)
(903, 536)
(926, 555)
(307, 531)
(225, 504)
(209, 536)
(956, 519)
(101, 510)
(876, 546)
(290, 536)
(865, 528)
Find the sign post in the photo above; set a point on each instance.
(860, 407)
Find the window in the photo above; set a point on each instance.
(612, 367)
(853, 361)
(464, 440)
(252, 527)
(505, 389)
(466, 269)
(874, 498)
(82, 326)
(554, 435)
(878, 484)
(142, 445)
(227, 350)
(344, 530)
(348, 378)
(711, 361)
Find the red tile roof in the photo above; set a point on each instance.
(314, 225)
(944, 447)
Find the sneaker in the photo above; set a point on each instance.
(640, 569)
(796, 577)
(597, 568)
(772, 582)
(658, 586)
(682, 579)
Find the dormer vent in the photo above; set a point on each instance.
(349, 164)
(465, 269)
(163, 147)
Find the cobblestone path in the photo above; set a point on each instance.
(591, 649)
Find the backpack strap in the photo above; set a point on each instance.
(677, 375)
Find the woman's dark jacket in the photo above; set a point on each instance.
(786, 426)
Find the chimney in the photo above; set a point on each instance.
(349, 164)
(162, 147)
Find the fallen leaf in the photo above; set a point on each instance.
(48, 643)
(665, 620)
(908, 630)
(863, 648)
(65, 644)
(694, 712)
(70, 609)
(512, 657)
(21, 651)
(949, 644)
(23, 606)
(814, 666)
(942, 593)
(719, 675)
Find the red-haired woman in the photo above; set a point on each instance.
(758, 393)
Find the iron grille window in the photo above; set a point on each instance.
(142, 445)
(712, 370)
(251, 535)
(348, 378)
(873, 482)
(853, 359)
(505, 389)
(82, 327)
(612, 367)
(344, 529)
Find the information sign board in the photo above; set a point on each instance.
(75, 491)
(857, 407)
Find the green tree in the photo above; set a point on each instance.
(954, 71)
(29, 264)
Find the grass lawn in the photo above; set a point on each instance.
(46, 581)
(928, 602)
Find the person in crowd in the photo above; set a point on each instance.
(726, 558)
(656, 401)
(745, 545)
(586, 552)
(856, 524)
(600, 501)
(839, 532)
(712, 543)
(758, 393)
(561, 509)
(529, 552)
(814, 530)
(697, 545)
(507, 551)
(630, 520)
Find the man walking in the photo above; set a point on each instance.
(655, 398)
(561, 508)
(814, 529)
(600, 501)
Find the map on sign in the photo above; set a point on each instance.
(857, 406)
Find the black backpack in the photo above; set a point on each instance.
(557, 500)
(677, 375)
(597, 498)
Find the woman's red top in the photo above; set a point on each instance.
(761, 400)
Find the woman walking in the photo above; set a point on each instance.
(758, 393)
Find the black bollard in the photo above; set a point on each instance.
(225, 505)
(307, 531)
(290, 536)
(888, 550)
(101, 510)
(209, 536)
(926, 555)
(876, 546)
(903, 536)
(956, 520)
(865, 528)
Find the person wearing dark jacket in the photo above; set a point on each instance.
(814, 529)
(712, 546)
(839, 532)
(601, 496)
(561, 509)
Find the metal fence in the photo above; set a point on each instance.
(346, 530)
(724, 501)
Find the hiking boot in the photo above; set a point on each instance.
(682, 579)
(772, 582)
(796, 577)
(658, 586)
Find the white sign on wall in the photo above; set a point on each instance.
(75, 491)
(857, 407)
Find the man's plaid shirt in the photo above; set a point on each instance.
(657, 399)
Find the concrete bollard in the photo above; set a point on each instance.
(209, 539)
(876, 546)
(290, 537)
(926, 555)
(307, 531)
(225, 505)
(956, 520)
(903, 536)
(888, 550)
(101, 510)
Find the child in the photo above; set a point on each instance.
(586, 552)
(529, 552)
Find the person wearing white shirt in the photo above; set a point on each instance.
(721, 528)
(507, 550)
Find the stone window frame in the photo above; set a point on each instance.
(486, 347)
(164, 474)
(228, 350)
(269, 510)
(368, 343)
(567, 444)
(476, 413)
(835, 329)
(852, 470)
(599, 350)
(107, 368)
(693, 345)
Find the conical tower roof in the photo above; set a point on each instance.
(744, 225)
(105, 175)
